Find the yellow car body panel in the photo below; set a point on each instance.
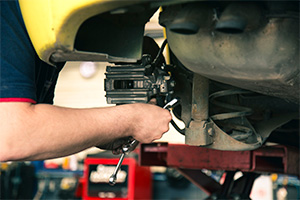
(53, 24)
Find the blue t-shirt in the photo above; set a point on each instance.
(23, 76)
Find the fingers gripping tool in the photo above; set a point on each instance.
(127, 148)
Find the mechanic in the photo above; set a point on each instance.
(31, 128)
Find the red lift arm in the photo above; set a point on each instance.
(190, 160)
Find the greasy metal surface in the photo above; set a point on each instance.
(239, 16)
(264, 59)
(223, 141)
(200, 98)
(231, 129)
(197, 132)
(186, 21)
(278, 159)
(62, 56)
(229, 111)
(186, 18)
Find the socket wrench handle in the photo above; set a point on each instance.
(113, 177)
(126, 148)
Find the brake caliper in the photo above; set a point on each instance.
(138, 83)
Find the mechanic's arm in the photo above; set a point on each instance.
(42, 131)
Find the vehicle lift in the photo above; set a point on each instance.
(190, 160)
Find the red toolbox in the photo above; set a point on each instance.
(133, 181)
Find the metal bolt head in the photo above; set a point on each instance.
(112, 180)
(172, 83)
(211, 132)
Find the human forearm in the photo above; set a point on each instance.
(45, 131)
(42, 131)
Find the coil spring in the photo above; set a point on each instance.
(241, 110)
(241, 132)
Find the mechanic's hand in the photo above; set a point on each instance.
(147, 122)
(116, 146)
(144, 122)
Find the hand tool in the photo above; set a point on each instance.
(126, 148)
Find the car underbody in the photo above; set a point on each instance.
(235, 67)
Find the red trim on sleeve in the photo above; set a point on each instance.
(17, 100)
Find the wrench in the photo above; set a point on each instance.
(169, 106)
(126, 148)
